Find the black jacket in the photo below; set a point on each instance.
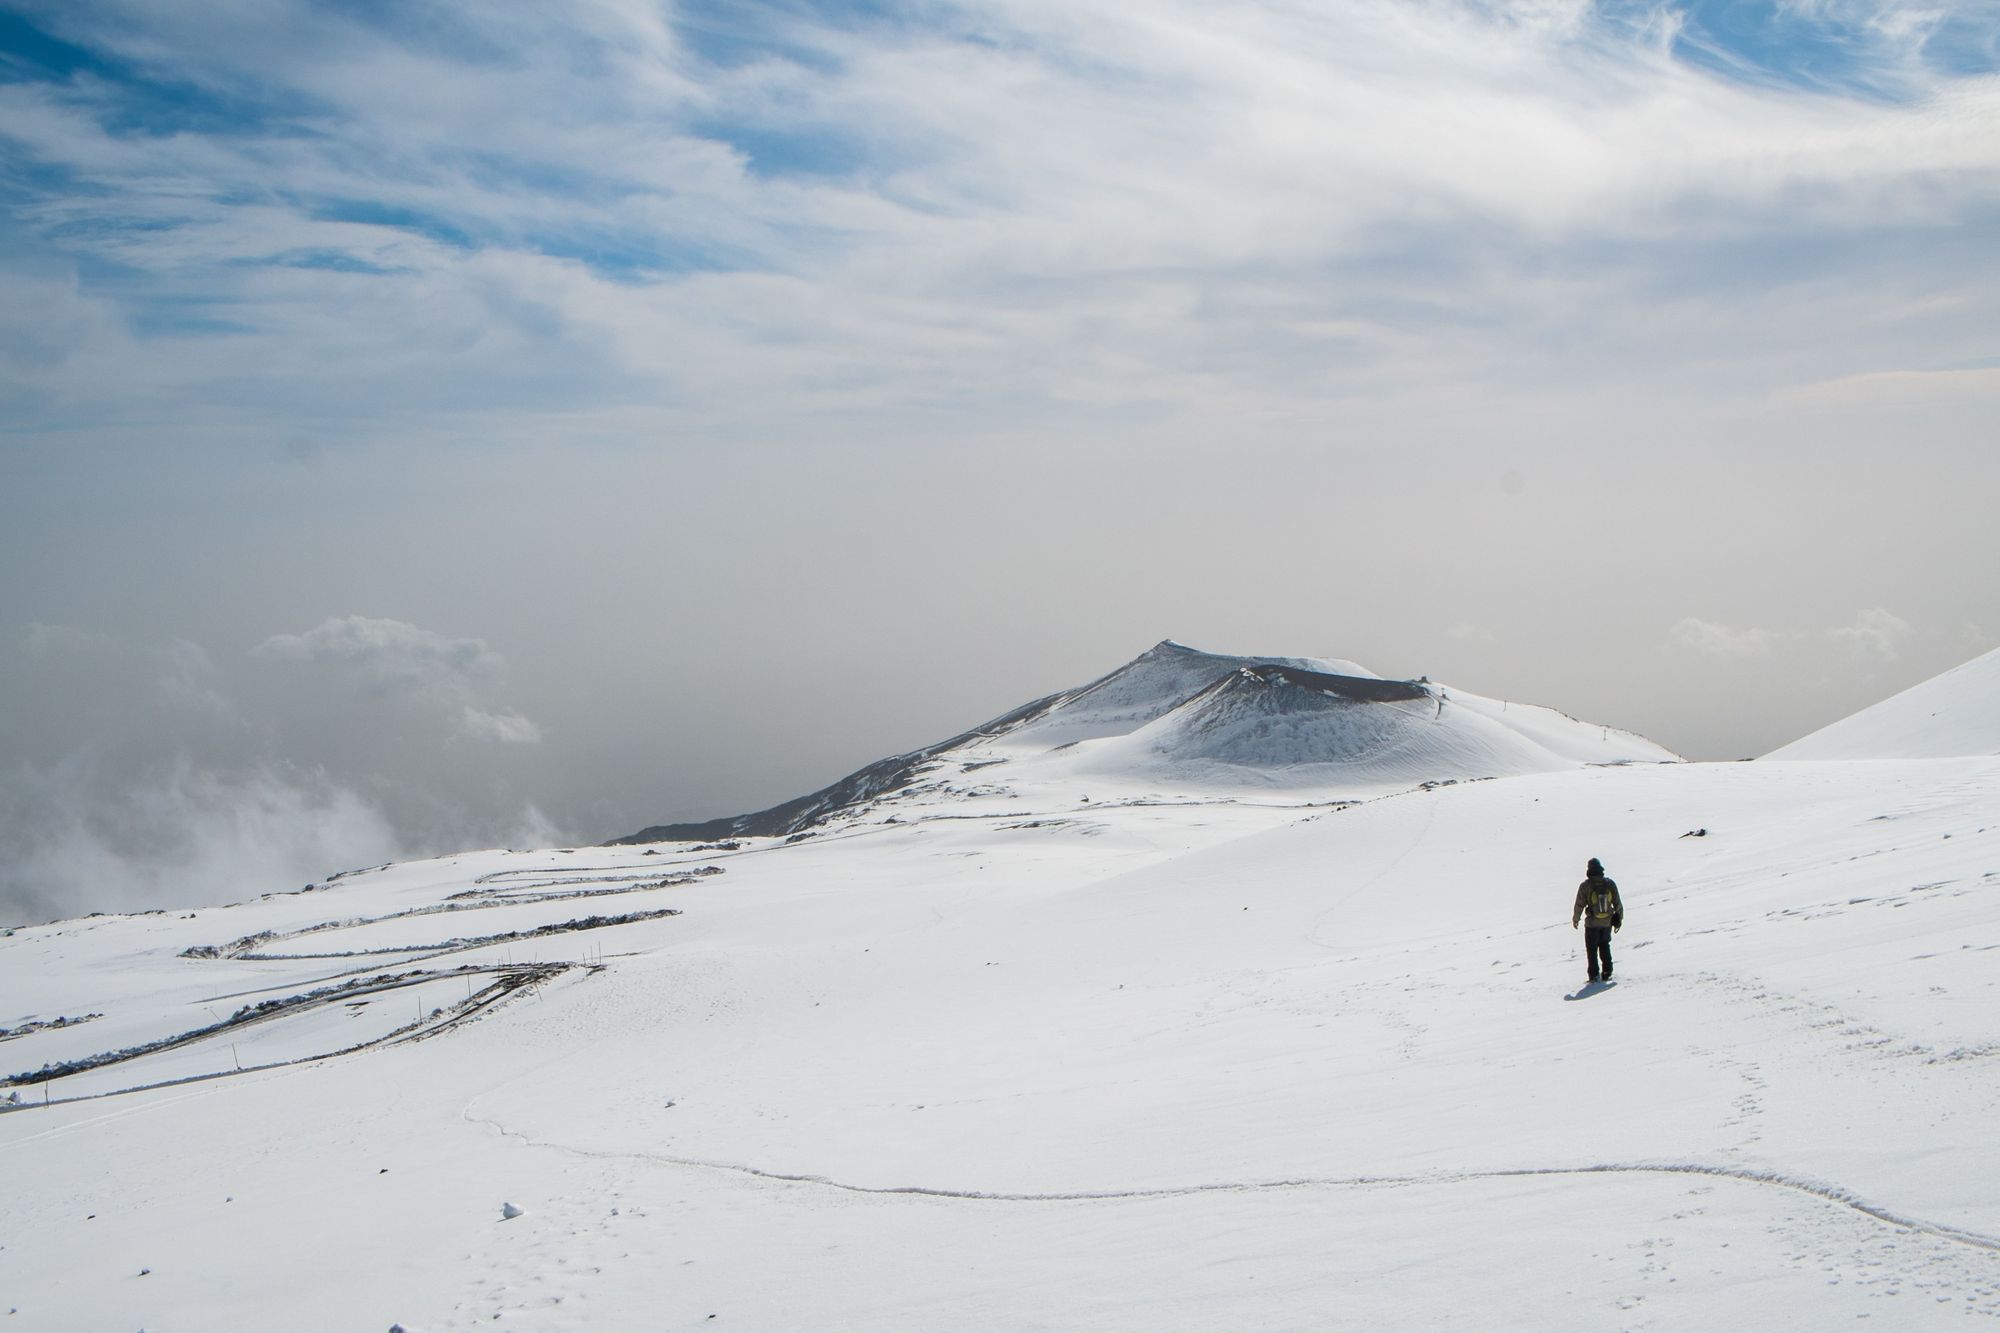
(1614, 909)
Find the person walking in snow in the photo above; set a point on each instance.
(1598, 898)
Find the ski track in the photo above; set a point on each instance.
(186, 1090)
(1822, 1190)
(1312, 933)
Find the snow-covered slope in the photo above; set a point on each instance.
(1162, 1067)
(1957, 713)
(1176, 718)
(1070, 1051)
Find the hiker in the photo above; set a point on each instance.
(1598, 896)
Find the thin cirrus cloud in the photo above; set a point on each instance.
(391, 659)
(704, 210)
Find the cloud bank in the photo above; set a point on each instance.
(182, 836)
(155, 776)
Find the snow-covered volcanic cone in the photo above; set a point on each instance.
(1176, 720)
(1148, 687)
(1279, 725)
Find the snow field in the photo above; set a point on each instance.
(1133, 1067)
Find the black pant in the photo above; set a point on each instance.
(1597, 948)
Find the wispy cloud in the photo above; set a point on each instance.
(1718, 640)
(1977, 387)
(1875, 634)
(188, 681)
(392, 659)
(711, 210)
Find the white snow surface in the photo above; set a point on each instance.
(1083, 1051)
(1957, 713)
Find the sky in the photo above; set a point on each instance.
(427, 426)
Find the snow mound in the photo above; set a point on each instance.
(1950, 716)
(1284, 725)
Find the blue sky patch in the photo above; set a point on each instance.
(731, 34)
(136, 101)
(173, 319)
(1966, 44)
(1777, 46)
(773, 151)
(332, 261)
(27, 52)
(631, 259)
(423, 25)
(375, 213)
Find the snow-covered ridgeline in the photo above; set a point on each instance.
(1945, 716)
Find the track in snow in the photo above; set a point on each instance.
(1830, 1193)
